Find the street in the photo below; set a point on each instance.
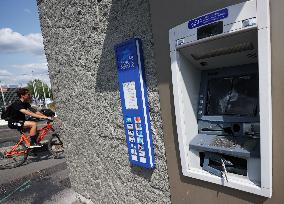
(41, 179)
(7, 133)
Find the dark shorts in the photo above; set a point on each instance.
(18, 125)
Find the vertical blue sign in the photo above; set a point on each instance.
(134, 102)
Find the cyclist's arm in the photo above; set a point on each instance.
(39, 113)
(35, 115)
(32, 109)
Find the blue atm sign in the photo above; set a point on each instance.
(134, 102)
(127, 59)
(208, 18)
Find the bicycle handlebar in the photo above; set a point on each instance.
(47, 119)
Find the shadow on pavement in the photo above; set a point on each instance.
(33, 191)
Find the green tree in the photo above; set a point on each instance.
(40, 87)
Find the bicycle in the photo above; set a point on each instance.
(14, 153)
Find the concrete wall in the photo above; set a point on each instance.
(79, 37)
(188, 190)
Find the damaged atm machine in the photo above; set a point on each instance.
(221, 75)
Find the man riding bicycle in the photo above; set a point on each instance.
(19, 110)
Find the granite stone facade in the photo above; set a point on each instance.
(79, 37)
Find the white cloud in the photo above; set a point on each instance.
(4, 73)
(28, 68)
(22, 80)
(13, 42)
(24, 74)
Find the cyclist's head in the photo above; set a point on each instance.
(24, 94)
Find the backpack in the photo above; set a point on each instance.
(6, 113)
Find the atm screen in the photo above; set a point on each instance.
(235, 95)
(210, 30)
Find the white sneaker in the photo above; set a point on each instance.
(35, 145)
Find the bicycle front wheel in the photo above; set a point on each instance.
(55, 146)
(12, 154)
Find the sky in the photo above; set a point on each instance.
(22, 57)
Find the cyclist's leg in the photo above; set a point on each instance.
(33, 128)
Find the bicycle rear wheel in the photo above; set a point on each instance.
(12, 154)
(55, 146)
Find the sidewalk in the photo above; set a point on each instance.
(52, 189)
(68, 196)
(49, 189)
(43, 165)
(42, 180)
(3, 123)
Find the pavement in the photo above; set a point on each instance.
(41, 179)
(3, 122)
(7, 133)
(34, 165)
(47, 186)
(42, 187)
